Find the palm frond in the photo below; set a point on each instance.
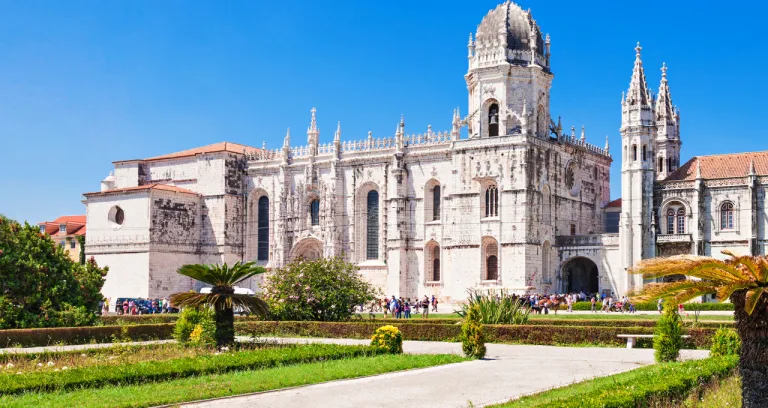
(686, 289)
(250, 303)
(695, 266)
(191, 299)
(221, 275)
(752, 296)
(725, 291)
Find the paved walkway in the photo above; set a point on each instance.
(509, 371)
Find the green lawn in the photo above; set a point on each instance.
(724, 393)
(220, 385)
(628, 316)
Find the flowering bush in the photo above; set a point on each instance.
(388, 338)
(725, 342)
(321, 290)
(195, 327)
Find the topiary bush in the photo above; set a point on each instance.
(388, 338)
(472, 337)
(667, 340)
(196, 327)
(725, 342)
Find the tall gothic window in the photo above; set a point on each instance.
(372, 232)
(314, 211)
(436, 263)
(436, 203)
(634, 152)
(492, 201)
(263, 229)
(546, 206)
(645, 153)
(669, 164)
(670, 221)
(493, 120)
(726, 216)
(681, 221)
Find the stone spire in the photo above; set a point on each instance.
(287, 146)
(752, 171)
(583, 134)
(638, 93)
(313, 133)
(470, 47)
(698, 169)
(456, 128)
(664, 110)
(337, 142)
(607, 147)
(547, 44)
(400, 136)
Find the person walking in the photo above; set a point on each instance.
(407, 308)
(594, 305)
(434, 304)
(425, 307)
(385, 307)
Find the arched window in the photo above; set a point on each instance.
(493, 120)
(546, 206)
(314, 212)
(436, 263)
(372, 231)
(670, 164)
(545, 261)
(634, 152)
(492, 201)
(645, 153)
(436, 203)
(726, 216)
(492, 268)
(681, 221)
(661, 164)
(490, 259)
(263, 229)
(670, 221)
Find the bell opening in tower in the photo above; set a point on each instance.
(493, 120)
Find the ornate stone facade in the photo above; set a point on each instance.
(518, 204)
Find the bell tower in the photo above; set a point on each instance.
(668, 137)
(509, 77)
(638, 133)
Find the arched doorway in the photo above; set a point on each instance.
(307, 249)
(580, 274)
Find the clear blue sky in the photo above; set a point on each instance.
(84, 83)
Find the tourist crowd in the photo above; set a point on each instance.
(400, 308)
(139, 306)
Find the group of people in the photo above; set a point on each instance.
(139, 306)
(400, 308)
(609, 304)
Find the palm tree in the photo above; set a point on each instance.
(743, 279)
(222, 297)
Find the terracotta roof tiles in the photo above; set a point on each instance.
(212, 148)
(722, 166)
(163, 187)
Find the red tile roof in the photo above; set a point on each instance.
(213, 148)
(75, 225)
(155, 186)
(614, 204)
(722, 166)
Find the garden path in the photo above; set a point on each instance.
(509, 371)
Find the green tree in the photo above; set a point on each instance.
(40, 286)
(472, 337)
(743, 279)
(325, 289)
(222, 298)
(668, 335)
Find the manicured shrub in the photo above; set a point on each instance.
(388, 338)
(472, 338)
(325, 289)
(725, 342)
(83, 335)
(667, 340)
(198, 321)
(41, 285)
(150, 371)
(495, 308)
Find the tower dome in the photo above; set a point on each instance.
(509, 33)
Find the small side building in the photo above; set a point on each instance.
(66, 231)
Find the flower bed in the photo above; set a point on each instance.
(150, 371)
(83, 335)
(524, 334)
(640, 387)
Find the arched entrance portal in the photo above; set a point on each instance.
(307, 249)
(580, 274)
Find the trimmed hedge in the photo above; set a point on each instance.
(126, 320)
(524, 334)
(150, 371)
(83, 335)
(651, 306)
(655, 385)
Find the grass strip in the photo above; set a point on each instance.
(150, 371)
(221, 385)
(634, 388)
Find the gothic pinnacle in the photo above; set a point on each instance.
(583, 135)
(607, 147)
(752, 170)
(287, 140)
(337, 136)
